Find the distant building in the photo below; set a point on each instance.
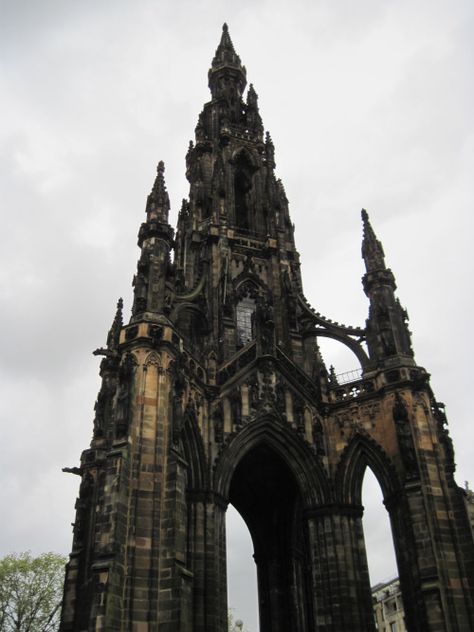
(387, 600)
(388, 607)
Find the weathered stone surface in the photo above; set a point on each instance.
(216, 392)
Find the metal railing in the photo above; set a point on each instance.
(349, 376)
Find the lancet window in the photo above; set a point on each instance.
(245, 321)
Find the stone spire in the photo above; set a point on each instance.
(377, 272)
(388, 336)
(226, 72)
(158, 202)
(253, 118)
(155, 238)
(372, 250)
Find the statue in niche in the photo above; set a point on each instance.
(235, 401)
(404, 435)
(82, 507)
(99, 408)
(265, 325)
(444, 437)
(140, 283)
(123, 400)
(318, 436)
(218, 419)
(280, 398)
(298, 412)
(254, 396)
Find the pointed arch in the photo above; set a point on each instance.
(152, 359)
(243, 156)
(360, 453)
(306, 468)
(350, 343)
(244, 169)
(248, 282)
(191, 322)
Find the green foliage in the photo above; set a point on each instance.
(232, 624)
(31, 592)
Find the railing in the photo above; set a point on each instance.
(349, 376)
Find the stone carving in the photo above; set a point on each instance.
(444, 437)
(254, 395)
(123, 397)
(404, 435)
(265, 325)
(298, 414)
(156, 334)
(82, 509)
(235, 401)
(99, 409)
(218, 421)
(318, 436)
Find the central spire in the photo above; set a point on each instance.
(226, 71)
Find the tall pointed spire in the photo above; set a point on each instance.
(388, 337)
(225, 52)
(226, 65)
(372, 250)
(158, 202)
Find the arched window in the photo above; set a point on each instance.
(245, 321)
(242, 187)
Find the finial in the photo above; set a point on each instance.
(270, 150)
(184, 209)
(158, 202)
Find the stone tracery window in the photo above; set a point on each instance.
(245, 321)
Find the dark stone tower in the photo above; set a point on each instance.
(216, 392)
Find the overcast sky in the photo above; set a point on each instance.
(369, 104)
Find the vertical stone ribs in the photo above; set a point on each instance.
(216, 392)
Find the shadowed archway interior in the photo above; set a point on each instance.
(265, 493)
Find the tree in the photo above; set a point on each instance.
(31, 592)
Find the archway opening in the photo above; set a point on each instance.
(242, 591)
(345, 363)
(242, 188)
(381, 559)
(264, 492)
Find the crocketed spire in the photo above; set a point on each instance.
(226, 65)
(372, 250)
(158, 203)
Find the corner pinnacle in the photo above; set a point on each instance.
(158, 202)
(372, 250)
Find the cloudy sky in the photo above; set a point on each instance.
(369, 104)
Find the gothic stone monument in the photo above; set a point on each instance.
(215, 392)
